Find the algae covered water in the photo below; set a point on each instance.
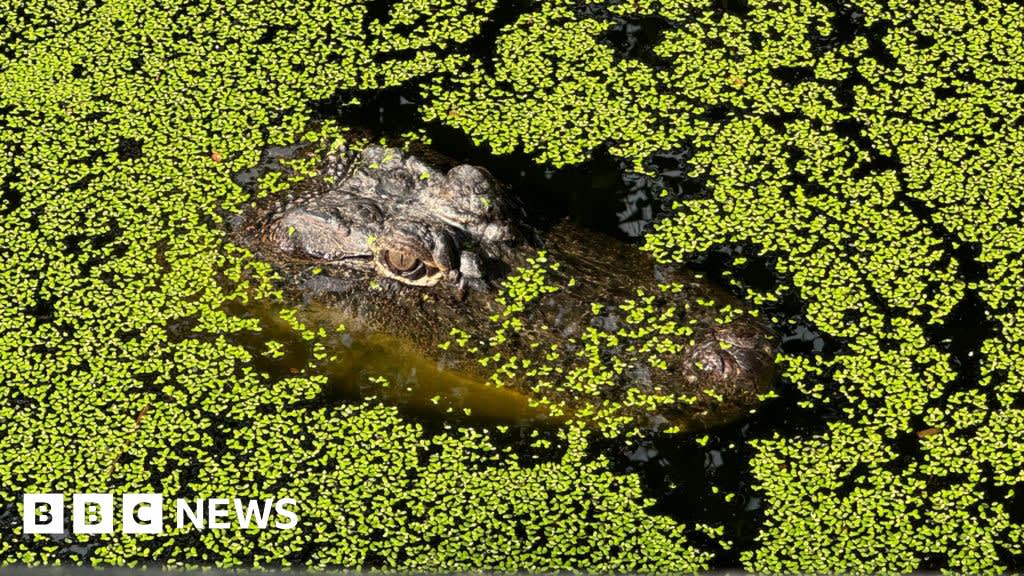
(851, 169)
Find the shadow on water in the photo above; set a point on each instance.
(600, 194)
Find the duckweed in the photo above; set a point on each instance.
(584, 377)
(872, 150)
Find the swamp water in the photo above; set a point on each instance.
(678, 471)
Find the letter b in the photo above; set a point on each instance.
(43, 514)
(92, 513)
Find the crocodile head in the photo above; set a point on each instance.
(386, 212)
(388, 245)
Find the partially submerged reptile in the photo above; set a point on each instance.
(444, 264)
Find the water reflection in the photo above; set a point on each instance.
(363, 365)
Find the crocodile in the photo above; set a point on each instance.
(440, 260)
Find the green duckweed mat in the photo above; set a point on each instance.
(873, 150)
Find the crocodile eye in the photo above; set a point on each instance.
(405, 265)
(400, 262)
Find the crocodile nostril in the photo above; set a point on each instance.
(709, 357)
(737, 354)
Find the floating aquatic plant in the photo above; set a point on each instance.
(873, 150)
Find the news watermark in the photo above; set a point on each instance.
(144, 513)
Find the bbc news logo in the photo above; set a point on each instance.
(144, 513)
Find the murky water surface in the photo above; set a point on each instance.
(365, 365)
(601, 194)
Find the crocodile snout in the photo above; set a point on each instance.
(735, 362)
(738, 350)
